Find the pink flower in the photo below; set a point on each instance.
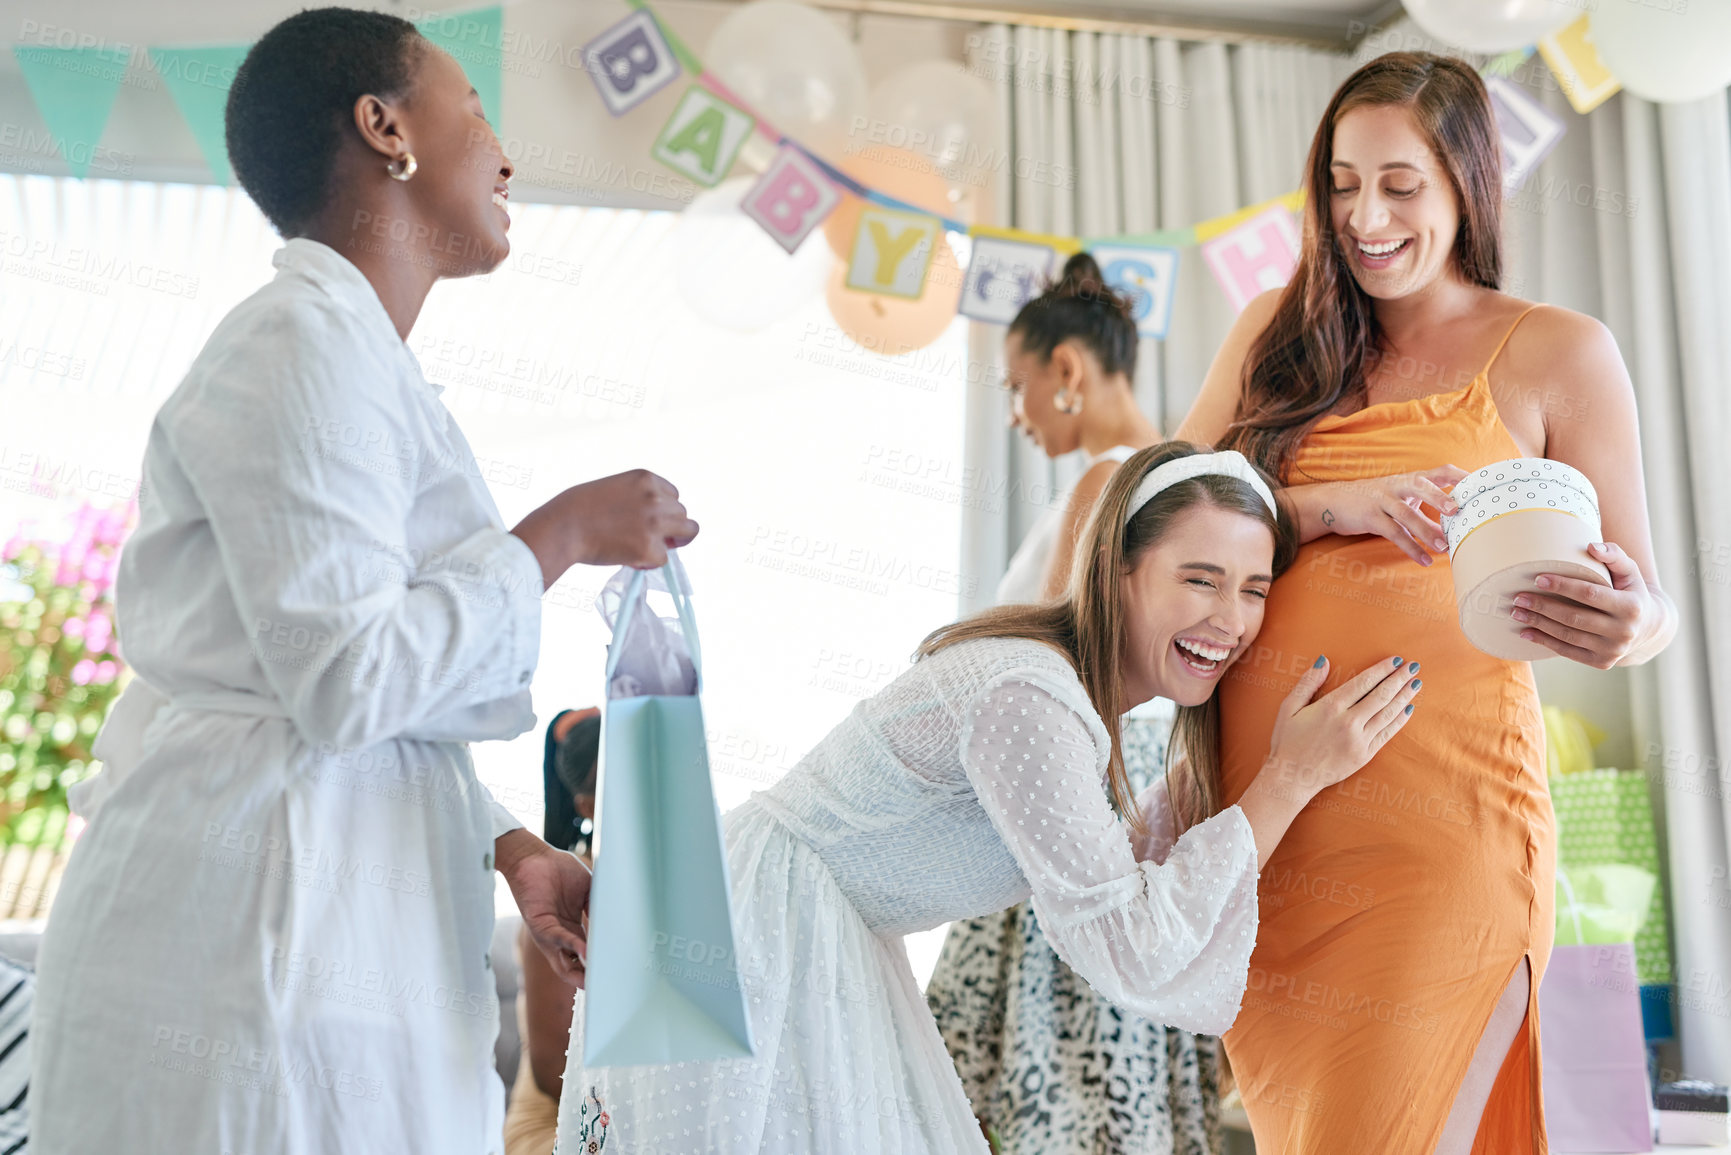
(105, 672)
(83, 672)
(73, 627)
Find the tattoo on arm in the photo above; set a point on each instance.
(1328, 517)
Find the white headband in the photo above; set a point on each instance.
(1228, 462)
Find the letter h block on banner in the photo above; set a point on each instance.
(702, 137)
(1003, 275)
(630, 62)
(792, 198)
(1258, 255)
(891, 252)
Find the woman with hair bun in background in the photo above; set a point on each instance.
(1048, 1064)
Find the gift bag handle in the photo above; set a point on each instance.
(677, 586)
(1574, 904)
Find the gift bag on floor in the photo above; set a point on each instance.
(1593, 1054)
(663, 983)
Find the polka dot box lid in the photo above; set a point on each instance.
(1517, 484)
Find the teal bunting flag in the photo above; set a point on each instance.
(74, 90)
(199, 79)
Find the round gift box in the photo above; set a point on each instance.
(1518, 519)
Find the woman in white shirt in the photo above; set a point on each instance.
(273, 936)
(988, 772)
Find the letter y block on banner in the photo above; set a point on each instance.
(1258, 255)
(792, 198)
(702, 137)
(630, 62)
(891, 252)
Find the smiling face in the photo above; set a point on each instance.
(1193, 603)
(459, 186)
(1034, 387)
(1394, 208)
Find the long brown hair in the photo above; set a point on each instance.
(1087, 624)
(1323, 338)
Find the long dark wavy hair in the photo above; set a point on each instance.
(1323, 338)
(1087, 624)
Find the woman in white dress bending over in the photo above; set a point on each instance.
(1049, 1066)
(988, 772)
(273, 937)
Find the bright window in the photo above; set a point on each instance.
(825, 476)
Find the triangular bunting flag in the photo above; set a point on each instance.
(476, 40)
(199, 79)
(74, 89)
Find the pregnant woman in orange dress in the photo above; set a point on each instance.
(1407, 917)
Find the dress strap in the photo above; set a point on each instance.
(1485, 372)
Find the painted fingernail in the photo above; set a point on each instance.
(1543, 581)
(1520, 615)
(1523, 601)
(1414, 669)
(1442, 543)
(1416, 683)
(1409, 707)
(1397, 661)
(1320, 658)
(1426, 560)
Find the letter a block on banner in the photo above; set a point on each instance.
(1003, 275)
(702, 137)
(891, 252)
(1258, 255)
(1528, 131)
(1146, 274)
(792, 198)
(630, 62)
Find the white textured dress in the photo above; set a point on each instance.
(968, 784)
(273, 937)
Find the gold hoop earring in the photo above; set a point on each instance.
(403, 167)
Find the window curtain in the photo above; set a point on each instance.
(1111, 134)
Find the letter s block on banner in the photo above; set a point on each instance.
(1258, 255)
(891, 252)
(1003, 275)
(1147, 274)
(1528, 130)
(702, 137)
(792, 198)
(630, 62)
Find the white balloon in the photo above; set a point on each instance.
(794, 66)
(729, 271)
(1492, 25)
(941, 113)
(1670, 50)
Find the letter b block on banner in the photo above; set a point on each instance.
(630, 62)
(792, 198)
(1146, 274)
(1003, 275)
(702, 137)
(891, 252)
(1258, 255)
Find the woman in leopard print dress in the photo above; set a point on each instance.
(1049, 1066)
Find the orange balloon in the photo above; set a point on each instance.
(896, 172)
(892, 326)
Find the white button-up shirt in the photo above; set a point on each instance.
(273, 936)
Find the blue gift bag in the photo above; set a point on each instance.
(663, 981)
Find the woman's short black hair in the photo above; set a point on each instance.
(1080, 304)
(293, 98)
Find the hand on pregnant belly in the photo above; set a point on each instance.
(1389, 507)
(1316, 744)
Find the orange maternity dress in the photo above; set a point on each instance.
(1396, 909)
